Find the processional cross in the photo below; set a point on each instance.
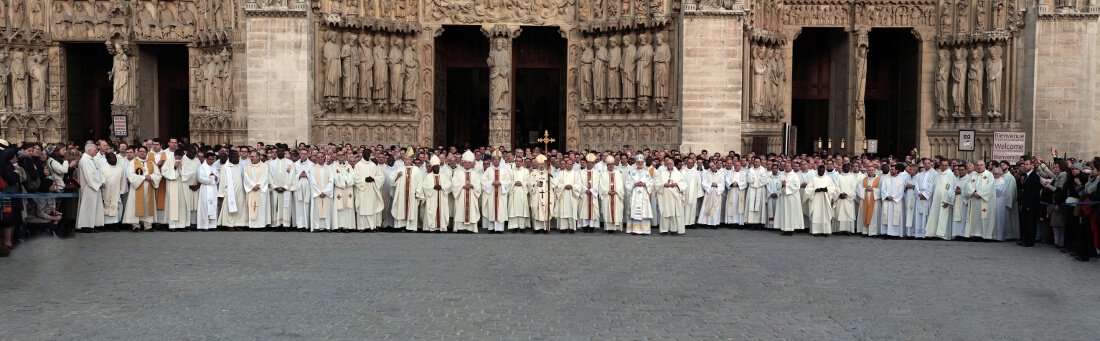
(546, 141)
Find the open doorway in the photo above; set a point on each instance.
(163, 90)
(539, 102)
(818, 87)
(462, 84)
(893, 68)
(88, 91)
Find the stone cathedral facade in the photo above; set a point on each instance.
(743, 75)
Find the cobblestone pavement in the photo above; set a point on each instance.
(706, 285)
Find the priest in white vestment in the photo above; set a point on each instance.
(406, 197)
(942, 204)
(189, 171)
(568, 197)
(466, 189)
(870, 203)
(113, 185)
(143, 177)
(89, 213)
(496, 184)
(846, 202)
(369, 201)
(981, 220)
(159, 157)
(207, 218)
(322, 188)
(282, 176)
(588, 210)
(234, 211)
(256, 180)
(775, 183)
(519, 206)
(960, 214)
(612, 187)
(436, 188)
(713, 183)
(925, 188)
(693, 190)
(639, 212)
(178, 214)
(542, 195)
(670, 198)
(892, 192)
(788, 211)
(737, 183)
(1008, 217)
(756, 195)
(822, 192)
(344, 190)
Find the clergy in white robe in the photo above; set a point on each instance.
(962, 202)
(89, 213)
(302, 193)
(234, 210)
(942, 204)
(406, 197)
(322, 186)
(496, 184)
(568, 196)
(344, 189)
(281, 176)
(910, 176)
(542, 195)
(821, 191)
(639, 212)
(256, 180)
(670, 198)
(892, 192)
(519, 206)
(448, 171)
(113, 184)
(189, 171)
(870, 203)
(775, 182)
(737, 184)
(713, 183)
(611, 191)
(466, 189)
(207, 218)
(846, 202)
(387, 192)
(588, 182)
(788, 211)
(436, 188)
(143, 177)
(1004, 190)
(756, 195)
(369, 204)
(981, 219)
(693, 190)
(176, 194)
(925, 188)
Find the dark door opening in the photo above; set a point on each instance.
(539, 101)
(88, 90)
(817, 87)
(462, 87)
(171, 90)
(893, 68)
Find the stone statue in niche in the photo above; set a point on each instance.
(943, 71)
(412, 75)
(979, 15)
(366, 69)
(662, 56)
(397, 73)
(993, 68)
(777, 76)
(381, 83)
(500, 75)
(599, 74)
(974, 82)
(19, 81)
(226, 76)
(330, 53)
(861, 84)
(120, 78)
(630, 79)
(759, 72)
(644, 72)
(199, 80)
(958, 76)
(37, 14)
(38, 81)
(216, 85)
(351, 60)
(586, 60)
(18, 13)
(5, 76)
(614, 72)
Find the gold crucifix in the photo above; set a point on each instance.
(546, 141)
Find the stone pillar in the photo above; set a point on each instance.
(712, 76)
(501, 81)
(277, 64)
(858, 112)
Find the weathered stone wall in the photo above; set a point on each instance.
(1066, 85)
(712, 86)
(278, 71)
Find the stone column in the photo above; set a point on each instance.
(858, 112)
(501, 81)
(276, 60)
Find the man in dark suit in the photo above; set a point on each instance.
(1028, 198)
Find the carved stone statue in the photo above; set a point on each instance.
(38, 81)
(199, 80)
(630, 62)
(216, 85)
(979, 15)
(943, 70)
(36, 17)
(5, 76)
(599, 73)
(958, 76)
(18, 81)
(330, 53)
(974, 82)
(993, 70)
(381, 84)
(759, 72)
(861, 84)
(412, 72)
(586, 60)
(167, 19)
(226, 76)
(18, 13)
(662, 56)
(350, 54)
(777, 77)
(366, 68)
(120, 76)
(397, 71)
(644, 72)
(614, 72)
(500, 75)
